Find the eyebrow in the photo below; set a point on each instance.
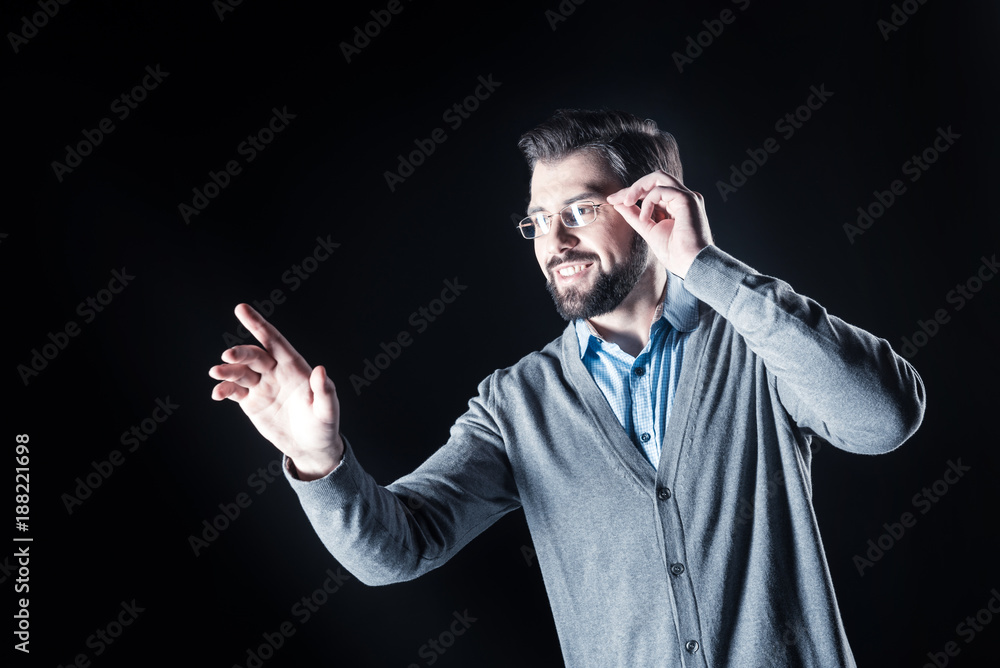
(590, 194)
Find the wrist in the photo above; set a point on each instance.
(314, 465)
(681, 263)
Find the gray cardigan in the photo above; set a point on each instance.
(715, 559)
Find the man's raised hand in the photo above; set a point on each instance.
(672, 218)
(293, 406)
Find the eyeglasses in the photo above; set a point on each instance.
(576, 214)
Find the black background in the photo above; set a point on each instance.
(323, 176)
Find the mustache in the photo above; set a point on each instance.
(571, 256)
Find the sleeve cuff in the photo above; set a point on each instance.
(715, 278)
(291, 474)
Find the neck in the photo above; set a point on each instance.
(628, 325)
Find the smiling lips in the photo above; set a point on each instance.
(570, 272)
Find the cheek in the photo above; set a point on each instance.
(607, 247)
(620, 244)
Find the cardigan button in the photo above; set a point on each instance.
(692, 646)
(677, 569)
(663, 494)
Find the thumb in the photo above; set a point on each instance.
(325, 404)
(633, 216)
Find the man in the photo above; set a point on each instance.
(660, 447)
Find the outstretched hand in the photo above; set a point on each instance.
(672, 219)
(293, 406)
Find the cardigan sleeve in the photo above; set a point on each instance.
(397, 532)
(836, 381)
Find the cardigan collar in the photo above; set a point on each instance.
(679, 307)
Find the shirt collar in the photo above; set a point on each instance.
(679, 307)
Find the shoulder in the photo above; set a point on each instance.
(536, 369)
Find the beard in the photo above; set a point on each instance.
(610, 288)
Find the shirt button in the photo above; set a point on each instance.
(639, 371)
(645, 437)
(677, 569)
(692, 646)
(663, 494)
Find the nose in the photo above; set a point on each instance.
(559, 239)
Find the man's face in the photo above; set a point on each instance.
(591, 269)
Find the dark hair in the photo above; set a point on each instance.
(632, 147)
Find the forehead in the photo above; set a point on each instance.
(580, 175)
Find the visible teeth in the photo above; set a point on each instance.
(569, 271)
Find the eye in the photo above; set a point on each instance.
(584, 213)
(542, 222)
(534, 225)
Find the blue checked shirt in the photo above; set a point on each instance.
(640, 390)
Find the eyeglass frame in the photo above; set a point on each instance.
(530, 220)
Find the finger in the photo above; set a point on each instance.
(616, 197)
(228, 390)
(269, 337)
(325, 404)
(651, 209)
(632, 216)
(629, 213)
(646, 212)
(254, 357)
(672, 200)
(647, 184)
(237, 373)
(653, 212)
